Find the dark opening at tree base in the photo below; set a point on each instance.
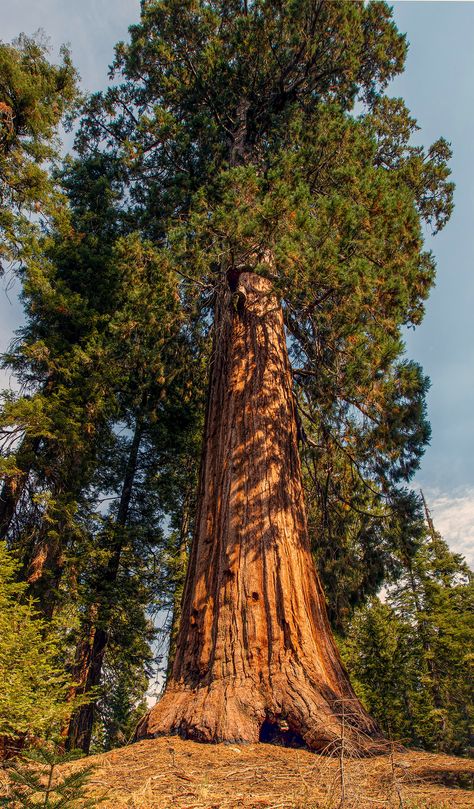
(278, 732)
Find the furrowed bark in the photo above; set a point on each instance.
(255, 657)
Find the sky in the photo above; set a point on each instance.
(438, 88)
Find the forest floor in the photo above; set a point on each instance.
(169, 773)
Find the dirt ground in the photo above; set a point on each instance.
(169, 773)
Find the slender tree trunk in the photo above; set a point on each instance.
(92, 645)
(43, 554)
(13, 486)
(87, 672)
(255, 657)
(44, 569)
(179, 575)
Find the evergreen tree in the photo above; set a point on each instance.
(34, 97)
(148, 320)
(52, 430)
(103, 343)
(34, 779)
(411, 656)
(34, 684)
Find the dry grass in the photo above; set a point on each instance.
(169, 773)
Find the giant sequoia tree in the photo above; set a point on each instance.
(254, 652)
(279, 207)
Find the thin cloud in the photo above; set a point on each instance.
(453, 516)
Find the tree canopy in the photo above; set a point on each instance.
(34, 98)
(260, 134)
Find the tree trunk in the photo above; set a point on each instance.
(92, 645)
(181, 563)
(255, 657)
(44, 569)
(13, 486)
(87, 672)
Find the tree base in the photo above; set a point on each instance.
(292, 715)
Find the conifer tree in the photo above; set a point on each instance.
(411, 657)
(35, 95)
(236, 123)
(52, 430)
(148, 320)
(34, 684)
(99, 351)
(347, 364)
(35, 779)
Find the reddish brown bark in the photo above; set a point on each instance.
(44, 571)
(255, 656)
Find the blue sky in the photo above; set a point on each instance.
(438, 87)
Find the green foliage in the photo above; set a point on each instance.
(34, 685)
(236, 128)
(33, 781)
(122, 703)
(34, 97)
(100, 358)
(411, 657)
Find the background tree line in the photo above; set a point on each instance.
(118, 251)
